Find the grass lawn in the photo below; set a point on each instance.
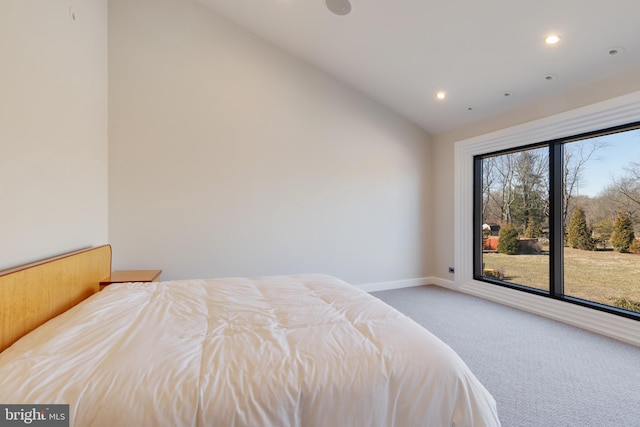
(600, 276)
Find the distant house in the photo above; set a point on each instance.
(495, 228)
(490, 240)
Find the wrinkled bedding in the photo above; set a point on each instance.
(302, 350)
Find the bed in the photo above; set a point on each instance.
(297, 350)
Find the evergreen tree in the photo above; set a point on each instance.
(622, 235)
(533, 229)
(579, 236)
(508, 240)
(603, 230)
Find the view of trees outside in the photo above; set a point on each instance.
(600, 216)
(515, 206)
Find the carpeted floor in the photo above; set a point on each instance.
(542, 373)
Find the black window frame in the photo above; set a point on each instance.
(556, 249)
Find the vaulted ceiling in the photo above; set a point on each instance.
(488, 56)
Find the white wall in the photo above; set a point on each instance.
(443, 151)
(53, 128)
(230, 157)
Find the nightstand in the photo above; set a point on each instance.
(126, 276)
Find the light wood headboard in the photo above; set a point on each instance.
(34, 293)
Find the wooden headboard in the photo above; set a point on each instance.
(34, 293)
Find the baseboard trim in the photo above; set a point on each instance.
(610, 325)
(397, 284)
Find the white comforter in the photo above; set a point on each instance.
(306, 350)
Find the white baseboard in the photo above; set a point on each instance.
(610, 325)
(397, 284)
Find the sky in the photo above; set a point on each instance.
(609, 161)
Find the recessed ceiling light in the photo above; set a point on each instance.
(339, 7)
(552, 39)
(441, 94)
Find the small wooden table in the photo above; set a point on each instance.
(126, 276)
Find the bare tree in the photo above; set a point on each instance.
(624, 193)
(515, 187)
(506, 170)
(488, 181)
(629, 188)
(576, 155)
(634, 170)
(630, 185)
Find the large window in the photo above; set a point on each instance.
(562, 218)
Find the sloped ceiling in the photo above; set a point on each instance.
(489, 56)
